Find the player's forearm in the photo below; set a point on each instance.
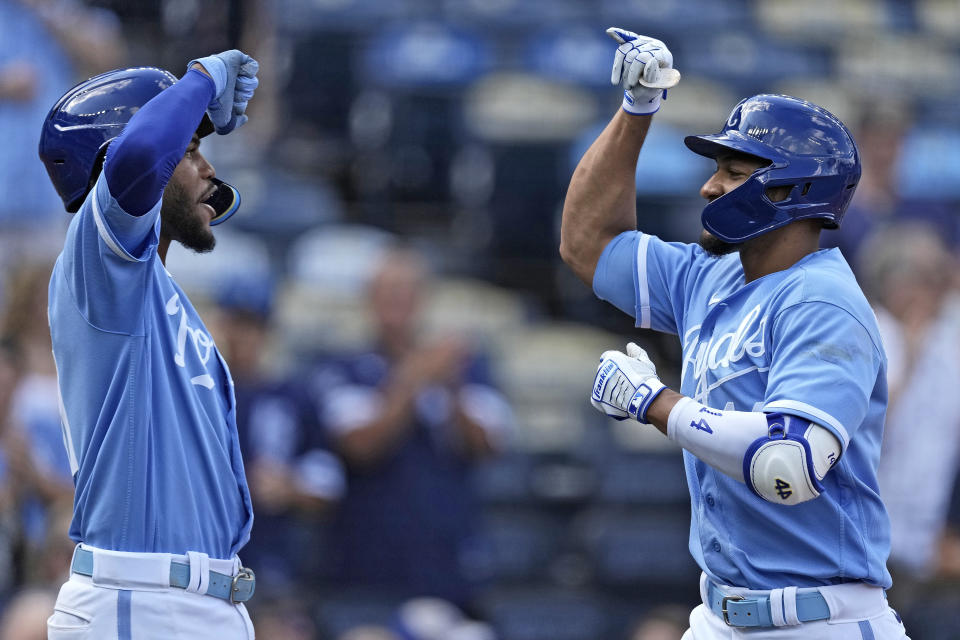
(141, 160)
(659, 412)
(601, 198)
(369, 443)
(781, 458)
(476, 443)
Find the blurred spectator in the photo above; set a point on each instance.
(885, 195)
(48, 566)
(43, 467)
(369, 632)
(949, 555)
(11, 450)
(667, 622)
(409, 417)
(879, 136)
(424, 619)
(282, 619)
(436, 619)
(291, 472)
(45, 47)
(25, 618)
(908, 274)
(933, 613)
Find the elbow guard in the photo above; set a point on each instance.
(786, 465)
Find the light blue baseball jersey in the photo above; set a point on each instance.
(802, 341)
(147, 401)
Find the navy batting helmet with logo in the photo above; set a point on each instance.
(807, 147)
(92, 114)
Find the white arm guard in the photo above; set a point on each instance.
(780, 458)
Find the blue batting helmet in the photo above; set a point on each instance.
(807, 147)
(88, 117)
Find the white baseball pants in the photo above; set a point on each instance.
(857, 612)
(126, 602)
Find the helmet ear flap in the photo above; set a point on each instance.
(811, 151)
(74, 205)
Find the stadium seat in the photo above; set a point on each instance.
(573, 53)
(644, 479)
(672, 19)
(665, 167)
(933, 76)
(939, 17)
(929, 167)
(322, 304)
(424, 54)
(542, 613)
(508, 107)
(352, 15)
(515, 546)
(504, 479)
(339, 610)
(239, 255)
(472, 307)
(422, 68)
(822, 20)
(500, 15)
(546, 369)
(639, 550)
(750, 62)
(338, 257)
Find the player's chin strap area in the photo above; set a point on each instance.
(225, 201)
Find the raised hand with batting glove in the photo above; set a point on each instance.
(781, 439)
(164, 508)
(643, 66)
(234, 74)
(626, 384)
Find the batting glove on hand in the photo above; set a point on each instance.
(643, 66)
(234, 75)
(626, 384)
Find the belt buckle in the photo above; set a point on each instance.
(243, 574)
(723, 608)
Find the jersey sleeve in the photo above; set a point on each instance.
(103, 272)
(647, 278)
(114, 237)
(128, 237)
(824, 367)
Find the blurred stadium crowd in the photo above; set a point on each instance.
(412, 360)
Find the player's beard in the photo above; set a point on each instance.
(714, 246)
(182, 221)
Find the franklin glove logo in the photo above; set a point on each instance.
(605, 373)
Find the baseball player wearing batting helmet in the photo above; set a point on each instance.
(161, 506)
(783, 377)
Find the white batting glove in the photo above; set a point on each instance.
(643, 67)
(626, 384)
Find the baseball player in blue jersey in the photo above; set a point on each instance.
(784, 376)
(161, 505)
